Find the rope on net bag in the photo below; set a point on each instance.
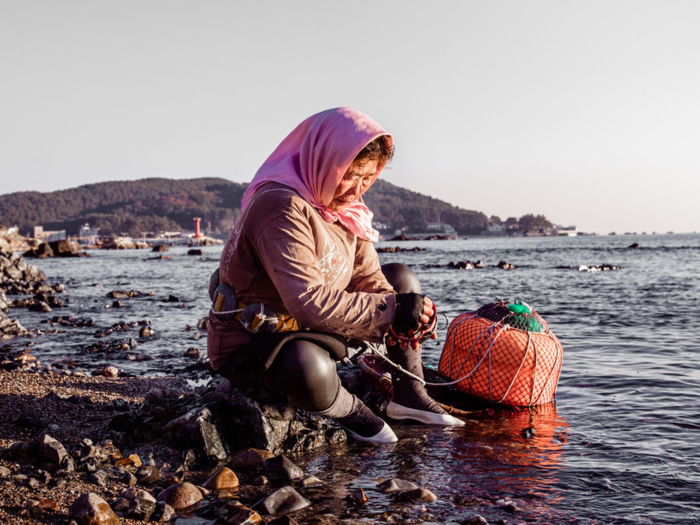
(497, 331)
(500, 321)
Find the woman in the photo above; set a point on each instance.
(302, 256)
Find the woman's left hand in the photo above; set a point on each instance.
(426, 316)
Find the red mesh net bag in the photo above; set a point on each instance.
(503, 353)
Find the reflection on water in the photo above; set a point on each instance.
(621, 446)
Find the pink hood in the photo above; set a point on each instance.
(313, 159)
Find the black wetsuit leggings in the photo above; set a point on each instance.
(304, 371)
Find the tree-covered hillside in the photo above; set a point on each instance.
(130, 207)
(400, 208)
(157, 205)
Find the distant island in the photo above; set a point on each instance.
(149, 207)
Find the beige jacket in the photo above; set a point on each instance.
(284, 254)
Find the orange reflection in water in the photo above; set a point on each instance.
(515, 451)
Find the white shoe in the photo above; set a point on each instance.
(384, 436)
(395, 411)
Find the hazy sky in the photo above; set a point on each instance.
(587, 112)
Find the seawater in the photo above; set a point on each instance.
(620, 445)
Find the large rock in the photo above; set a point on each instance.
(119, 243)
(195, 429)
(10, 328)
(12, 241)
(252, 418)
(62, 248)
(123, 243)
(42, 251)
(14, 270)
(90, 509)
(65, 248)
(219, 420)
(5, 303)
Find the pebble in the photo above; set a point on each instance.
(90, 509)
(223, 479)
(148, 474)
(109, 371)
(506, 266)
(128, 479)
(54, 453)
(282, 501)
(142, 504)
(120, 505)
(99, 478)
(360, 496)
(233, 513)
(392, 486)
(283, 468)
(193, 353)
(310, 481)
(132, 459)
(419, 495)
(508, 505)
(40, 306)
(34, 508)
(163, 512)
(251, 459)
(181, 496)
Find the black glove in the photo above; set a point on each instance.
(409, 310)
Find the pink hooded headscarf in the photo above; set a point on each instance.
(313, 159)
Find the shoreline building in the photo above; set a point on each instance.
(40, 234)
(87, 235)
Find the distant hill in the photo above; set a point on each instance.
(401, 208)
(153, 205)
(130, 207)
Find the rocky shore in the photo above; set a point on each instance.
(89, 450)
(12, 241)
(99, 446)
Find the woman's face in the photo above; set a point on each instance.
(357, 180)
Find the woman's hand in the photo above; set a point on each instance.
(428, 311)
(413, 312)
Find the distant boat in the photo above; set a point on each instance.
(566, 231)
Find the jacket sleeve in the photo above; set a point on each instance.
(367, 274)
(286, 249)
